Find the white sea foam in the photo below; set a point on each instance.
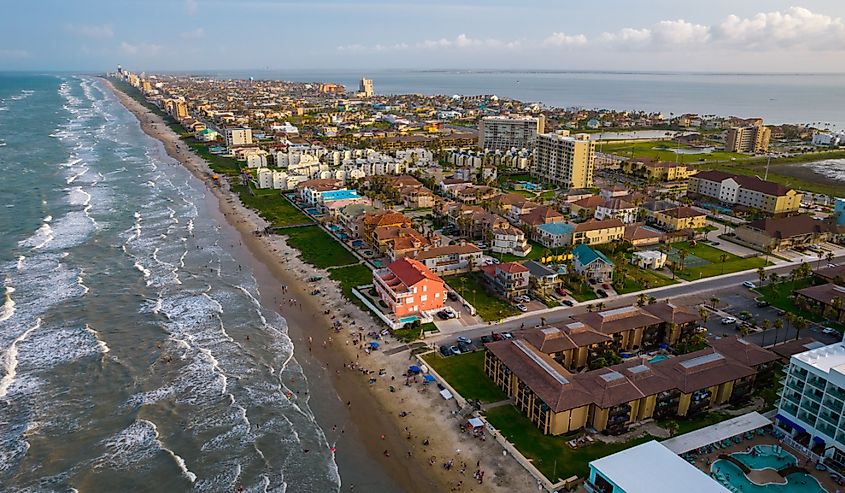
(10, 359)
(104, 348)
(20, 262)
(8, 308)
(190, 226)
(143, 270)
(80, 283)
(42, 236)
(78, 196)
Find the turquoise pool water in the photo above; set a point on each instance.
(409, 319)
(767, 457)
(659, 357)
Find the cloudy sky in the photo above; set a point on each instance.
(717, 35)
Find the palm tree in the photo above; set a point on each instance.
(778, 324)
(801, 323)
(682, 256)
(722, 259)
(703, 314)
(829, 257)
(600, 305)
(641, 299)
(652, 300)
(715, 301)
(761, 273)
(542, 321)
(819, 263)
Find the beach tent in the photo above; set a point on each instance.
(428, 379)
(446, 394)
(414, 369)
(374, 345)
(476, 422)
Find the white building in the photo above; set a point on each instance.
(618, 209)
(508, 132)
(813, 396)
(238, 136)
(365, 88)
(649, 259)
(256, 159)
(829, 139)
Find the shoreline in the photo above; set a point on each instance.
(363, 431)
(268, 269)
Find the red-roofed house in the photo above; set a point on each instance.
(409, 288)
(508, 279)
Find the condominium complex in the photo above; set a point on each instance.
(366, 88)
(812, 398)
(502, 133)
(746, 191)
(752, 139)
(238, 136)
(564, 160)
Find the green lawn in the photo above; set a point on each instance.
(351, 276)
(220, 164)
(779, 295)
(465, 373)
(537, 251)
(716, 267)
(663, 150)
(412, 334)
(550, 454)
(686, 425)
(489, 307)
(639, 279)
(317, 248)
(272, 206)
(582, 292)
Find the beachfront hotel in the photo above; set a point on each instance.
(751, 139)
(747, 191)
(503, 133)
(812, 399)
(564, 160)
(611, 399)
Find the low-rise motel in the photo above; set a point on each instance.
(610, 399)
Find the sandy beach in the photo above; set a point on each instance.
(376, 449)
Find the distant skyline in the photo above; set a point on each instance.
(173, 35)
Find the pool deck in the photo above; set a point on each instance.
(746, 445)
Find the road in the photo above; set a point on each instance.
(687, 294)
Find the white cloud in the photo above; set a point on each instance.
(143, 49)
(191, 6)
(104, 31)
(563, 39)
(796, 27)
(195, 34)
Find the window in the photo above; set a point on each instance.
(423, 298)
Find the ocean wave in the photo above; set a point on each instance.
(47, 349)
(9, 359)
(8, 308)
(79, 283)
(831, 168)
(135, 445)
(78, 196)
(42, 236)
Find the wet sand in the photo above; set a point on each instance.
(369, 425)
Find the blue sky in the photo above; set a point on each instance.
(748, 36)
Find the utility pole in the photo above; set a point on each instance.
(768, 162)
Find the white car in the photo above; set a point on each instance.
(522, 307)
(749, 285)
(728, 321)
(829, 330)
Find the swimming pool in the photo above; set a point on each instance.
(313, 211)
(659, 357)
(409, 319)
(769, 457)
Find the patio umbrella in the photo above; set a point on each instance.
(414, 369)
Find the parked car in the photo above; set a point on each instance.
(714, 243)
(701, 330)
(602, 293)
(568, 303)
(762, 303)
(728, 321)
(829, 330)
(465, 340)
(605, 286)
(561, 291)
(486, 339)
(521, 307)
(507, 335)
(591, 281)
(442, 315)
(455, 350)
(453, 296)
(749, 284)
(498, 337)
(445, 351)
(744, 315)
(465, 348)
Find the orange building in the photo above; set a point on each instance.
(409, 288)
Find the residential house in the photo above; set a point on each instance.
(409, 288)
(553, 234)
(451, 259)
(615, 192)
(592, 263)
(507, 238)
(639, 235)
(543, 280)
(311, 191)
(539, 216)
(508, 279)
(370, 221)
(649, 259)
(680, 218)
(595, 232)
(783, 233)
(616, 208)
(585, 207)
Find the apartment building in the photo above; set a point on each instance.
(679, 218)
(746, 191)
(409, 288)
(595, 232)
(611, 399)
(502, 133)
(238, 136)
(783, 233)
(564, 160)
(365, 88)
(654, 170)
(751, 139)
(616, 208)
(812, 398)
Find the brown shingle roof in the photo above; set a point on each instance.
(593, 225)
(788, 227)
(447, 250)
(743, 351)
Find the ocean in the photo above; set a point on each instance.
(778, 98)
(124, 362)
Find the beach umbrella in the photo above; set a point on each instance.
(414, 369)
(374, 345)
(428, 379)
